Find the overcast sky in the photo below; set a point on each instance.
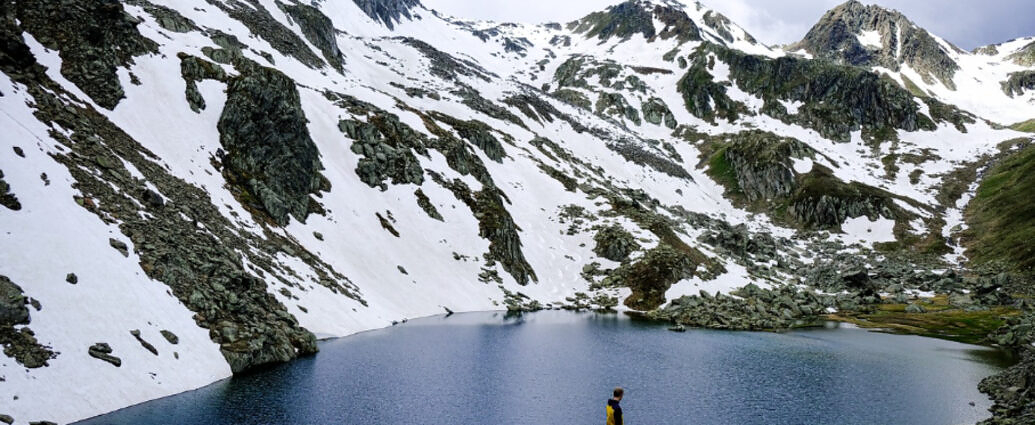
(967, 23)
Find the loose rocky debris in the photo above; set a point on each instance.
(102, 351)
(614, 243)
(93, 37)
(1012, 392)
(19, 342)
(750, 308)
(582, 301)
(7, 198)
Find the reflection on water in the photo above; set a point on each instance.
(558, 367)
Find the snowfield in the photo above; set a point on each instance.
(432, 266)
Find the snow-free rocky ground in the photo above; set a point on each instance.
(192, 188)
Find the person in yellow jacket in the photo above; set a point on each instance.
(614, 411)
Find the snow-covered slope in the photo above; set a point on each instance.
(249, 175)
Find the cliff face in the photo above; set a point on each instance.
(219, 183)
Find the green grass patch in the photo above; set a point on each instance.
(912, 87)
(1026, 126)
(940, 321)
(720, 169)
(1002, 215)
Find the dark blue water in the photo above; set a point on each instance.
(559, 368)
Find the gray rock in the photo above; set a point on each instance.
(267, 150)
(13, 310)
(614, 243)
(119, 246)
(93, 37)
(72, 278)
(915, 308)
(102, 351)
(147, 346)
(171, 337)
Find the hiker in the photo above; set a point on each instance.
(614, 411)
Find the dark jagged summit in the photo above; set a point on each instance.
(388, 12)
(637, 17)
(841, 35)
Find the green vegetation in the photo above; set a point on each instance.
(721, 170)
(1002, 216)
(912, 87)
(940, 320)
(1026, 126)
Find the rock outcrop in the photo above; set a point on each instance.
(93, 38)
(19, 343)
(268, 152)
(388, 12)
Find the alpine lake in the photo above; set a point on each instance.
(559, 367)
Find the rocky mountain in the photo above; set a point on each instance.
(197, 188)
(993, 81)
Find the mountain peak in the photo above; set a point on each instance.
(638, 17)
(388, 12)
(870, 35)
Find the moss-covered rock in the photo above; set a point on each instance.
(651, 275)
(167, 18)
(260, 22)
(614, 243)
(614, 104)
(476, 132)
(425, 204)
(705, 98)
(901, 42)
(836, 99)
(7, 198)
(656, 112)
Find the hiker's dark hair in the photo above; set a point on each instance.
(618, 392)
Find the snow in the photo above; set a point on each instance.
(870, 38)
(802, 165)
(735, 277)
(114, 296)
(119, 296)
(792, 106)
(863, 229)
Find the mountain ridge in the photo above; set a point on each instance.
(249, 175)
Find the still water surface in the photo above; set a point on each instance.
(557, 367)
